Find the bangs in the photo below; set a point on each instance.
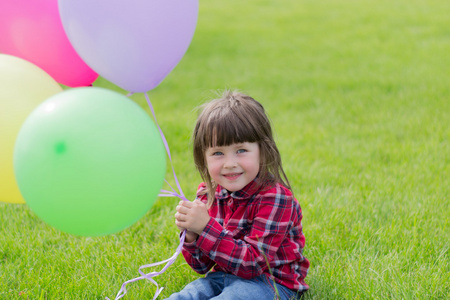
(229, 128)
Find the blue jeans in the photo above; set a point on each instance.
(219, 285)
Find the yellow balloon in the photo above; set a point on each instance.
(23, 86)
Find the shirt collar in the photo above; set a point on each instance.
(246, 193)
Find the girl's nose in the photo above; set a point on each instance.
(230, 162)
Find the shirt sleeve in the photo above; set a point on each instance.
(247, 257)
(198, 261)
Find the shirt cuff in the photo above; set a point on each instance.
(210, 236)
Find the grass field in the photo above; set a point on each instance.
(358, 93)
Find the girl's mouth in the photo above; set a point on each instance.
(232, 176)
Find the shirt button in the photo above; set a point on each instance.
(230, 202)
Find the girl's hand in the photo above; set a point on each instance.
(190, 236)
(192, 216)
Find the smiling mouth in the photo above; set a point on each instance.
(232, 176)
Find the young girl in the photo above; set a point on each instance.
(245, 223)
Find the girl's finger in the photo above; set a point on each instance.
(187, 204)
(179, 225)
(180, 217)
(182, 209)
(198, 203)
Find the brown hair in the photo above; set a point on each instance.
(236, 118)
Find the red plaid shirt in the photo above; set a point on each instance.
(245, 223)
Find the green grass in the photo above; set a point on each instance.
(358, 92)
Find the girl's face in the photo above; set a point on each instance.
(233, 166)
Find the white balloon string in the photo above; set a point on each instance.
(165, 144)
(163, 193)
(149, 276)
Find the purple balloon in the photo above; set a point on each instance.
(134, 44)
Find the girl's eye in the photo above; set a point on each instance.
(241, 151)
(217, 153)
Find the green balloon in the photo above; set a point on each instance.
(89, 161)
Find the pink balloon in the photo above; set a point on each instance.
(32, 30)
(133, 43)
